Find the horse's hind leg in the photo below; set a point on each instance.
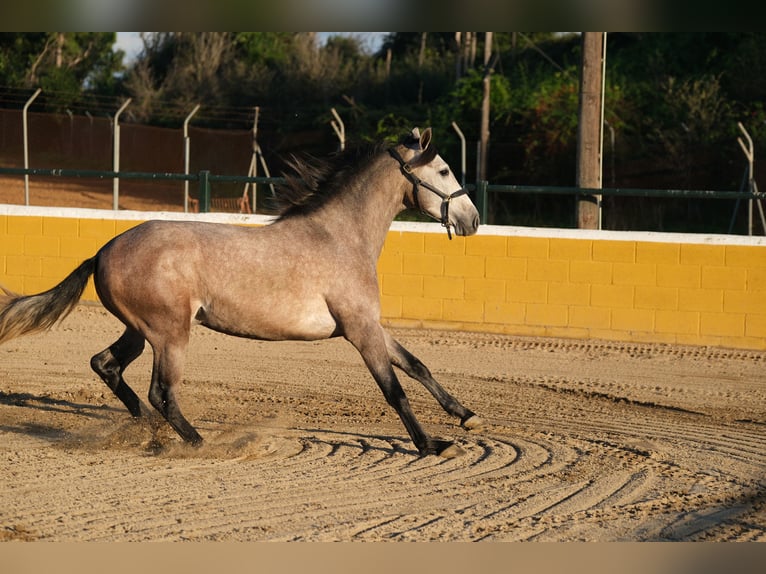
(166, 373)
(110, 363)
(410, 364)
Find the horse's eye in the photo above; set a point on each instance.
(444, 172)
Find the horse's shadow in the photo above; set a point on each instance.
(49, 404)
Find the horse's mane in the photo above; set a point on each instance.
(313, 181)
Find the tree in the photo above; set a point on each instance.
(66, 65)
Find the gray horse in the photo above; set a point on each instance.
(313, 269)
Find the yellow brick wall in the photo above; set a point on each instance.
(634, 288)
(701, 293)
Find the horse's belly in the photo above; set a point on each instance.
(299, 321)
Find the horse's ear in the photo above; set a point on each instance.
(425, 139)
(416, 134)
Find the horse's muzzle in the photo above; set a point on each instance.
(469, 228)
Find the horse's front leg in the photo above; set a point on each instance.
(410, 364)
(371, 344)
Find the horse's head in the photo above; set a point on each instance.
(434, 191)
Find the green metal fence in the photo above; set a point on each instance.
(481, 190)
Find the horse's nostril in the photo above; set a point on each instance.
(476, 222)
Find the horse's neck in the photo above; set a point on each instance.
(363, 213)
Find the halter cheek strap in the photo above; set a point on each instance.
(417, 182)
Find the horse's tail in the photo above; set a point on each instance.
(21, 314)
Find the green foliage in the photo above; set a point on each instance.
(672, 100)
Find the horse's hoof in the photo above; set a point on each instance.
(473, 423)
(451, 451)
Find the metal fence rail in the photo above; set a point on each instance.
(482, 189)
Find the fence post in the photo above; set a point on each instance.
(204, 191)
(481, 200)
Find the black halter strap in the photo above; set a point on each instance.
(417, 183)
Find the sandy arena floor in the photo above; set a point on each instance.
(585, 440)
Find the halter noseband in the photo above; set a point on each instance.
(417, 182)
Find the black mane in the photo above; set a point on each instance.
(313, 181)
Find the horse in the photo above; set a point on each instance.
(313, 268)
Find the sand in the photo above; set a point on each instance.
(585, 441)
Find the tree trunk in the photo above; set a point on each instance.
(589, 130)
(486, 84)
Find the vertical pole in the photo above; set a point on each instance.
(484, 129)
(204, 191)
(339, 128)
(253, 171)
(749, 154)
(116, 156)
(590, 129)
(186, 157)
(26, 144)
(462, 152)
(481, 200)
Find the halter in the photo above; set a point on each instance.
(417, 182)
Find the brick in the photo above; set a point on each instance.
(746, 256)
(688, 276)
(58, 226)
(78, 247)
(700, 300)
(756, 279)
(668, 253)
(656, 297)
(526, 292)
(531, 247)
(421, 308)
(23, 266)
(41, 246)
(444, 287)
(755, 325)
(570, 249)
(686, 322)
(58, 267)
(12, 245)
(590, 272)
(99, 229)
(722, 324)
(422, 264)
(744, 301)
(568, 293)
(547, 270)
(485, 290)
(487, 245)
(464, 266)
(613, 296)
(633, 320)
(391, 306)
(407, 285)
(390, 263)
(693, 254)
(34, 285)
(615, 251)
(723, 278)
(25, 225)
(465, 311)
(506, 268)
(440, 244)
(412, 242)
(505, 313)
(589, 317)
(634, 274)
(549, 315)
